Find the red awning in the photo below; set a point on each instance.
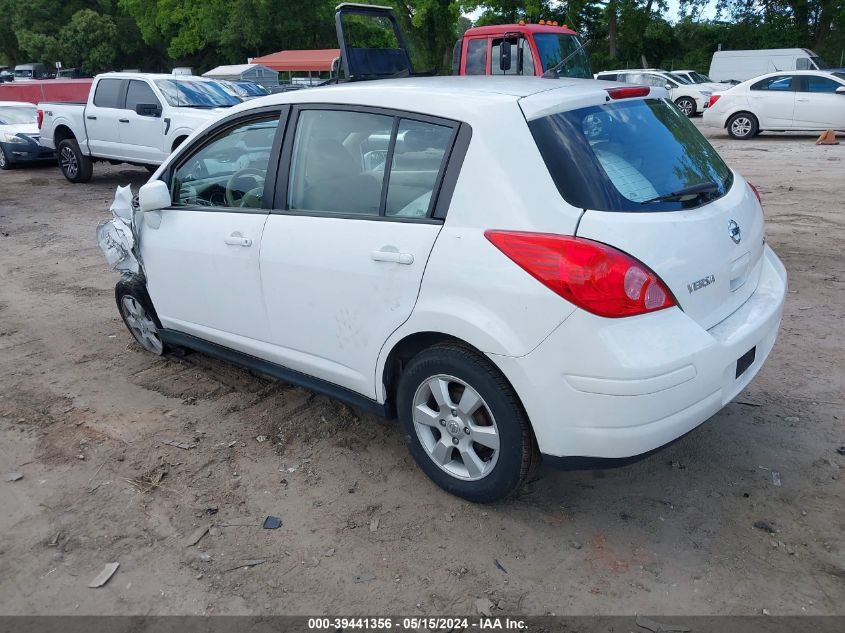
(315, 60)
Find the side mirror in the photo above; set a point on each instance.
(840, 90)
(668, 86)
(505, 56)
(148, 109)
(153, 196)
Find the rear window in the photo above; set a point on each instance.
(622, 155)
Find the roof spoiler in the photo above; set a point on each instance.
(361, 63)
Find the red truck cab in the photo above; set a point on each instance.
(520, 49)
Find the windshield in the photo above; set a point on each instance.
(195, 94)
(621, 155)
(819, 62)
(13, 115)
(554, 48)
(840, 75)
(699, 78)
(252, 89)
(678, 78)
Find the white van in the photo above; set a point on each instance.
(742, 65)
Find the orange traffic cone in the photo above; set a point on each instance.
(827, 138)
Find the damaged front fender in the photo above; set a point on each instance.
(116, 237)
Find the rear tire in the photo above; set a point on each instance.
(687, 106)
(464, 425)
(139, 316)
(5, 163)
(75, 166)
(742, 126)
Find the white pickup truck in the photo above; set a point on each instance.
(137, 118)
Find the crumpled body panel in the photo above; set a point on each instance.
(116, 236)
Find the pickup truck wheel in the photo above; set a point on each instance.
(464, 425)
(4, 161)
(75, 166)
(136, 310)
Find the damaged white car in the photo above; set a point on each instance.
(513, 267)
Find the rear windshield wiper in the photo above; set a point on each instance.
(687, 193)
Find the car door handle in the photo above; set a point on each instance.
(236, 239)
(393, 257)
(803, 99)
(124, 120)
(92, 118)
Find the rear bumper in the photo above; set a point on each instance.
(617, 388)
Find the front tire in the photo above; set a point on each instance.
(5, 163)
(75, 166)
(136, 310)
(687, 106)
(742, 126)
(464, 425)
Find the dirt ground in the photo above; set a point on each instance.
(86, 417)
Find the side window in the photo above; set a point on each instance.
(477, 57)
(813, 83)
(802, 63)
(139, 92)
(609, 77)
(778, 83)
(657, 81)
(418, 158)
(338, 161)
(230, 170)
(519, 47)
(107, 94)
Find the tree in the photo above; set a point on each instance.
(89, 41)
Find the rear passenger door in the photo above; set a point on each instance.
(773, 101)
(101, 118)
(359, 204)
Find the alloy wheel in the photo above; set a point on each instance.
(686, 106)
(456, 427)
(69, 163)
(741, 126)
(2, 159)
(141, 325)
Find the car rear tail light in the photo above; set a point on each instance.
(40, 117)
(756, 193)
(628, 92)
(592, 275)
(713, 99)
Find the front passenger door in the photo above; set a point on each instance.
(202, 261)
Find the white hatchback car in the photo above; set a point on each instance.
(513, 267)
(807, 100)
(691, 98)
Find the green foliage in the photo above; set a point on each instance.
(159, 34)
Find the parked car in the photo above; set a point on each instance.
(19, 135)
(243, 90)
(778, 102)
(740, 66)
(6, 74)
(702, 80)
(133, 118)
(601, 296)
(690, 98)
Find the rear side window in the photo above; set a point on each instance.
(360, 163)
(779, 83)
(477, 57)
(621, 155)
(139, 92)
(108, 94)
(608, 77)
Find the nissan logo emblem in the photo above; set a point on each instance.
(734, 232)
